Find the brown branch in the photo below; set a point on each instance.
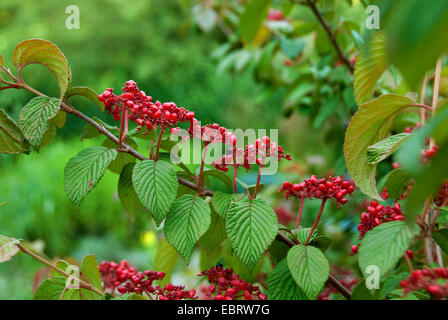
(83, 283)
(323, 22)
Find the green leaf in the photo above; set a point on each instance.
(221, 202)
(8, 248)
(90, 131)
(391, 282)
(309, 268)
(414, 47)
(302, 234)
(252, 18)
(90, 271)
(50, 289)
(215, 234)
(123, 158)
(321, 242)
(370, 65)
(45, 53)
(369, 125)
(1, 61)
(187, 221)
(156, 186)
(384, 245)
(397, 182)
(278, 250)
(83, 172)
(34, 116)
(282, 285)
(217, 174)
(292, 47)
(12, 140)
(127, 195)
(384, 148)
(441, 237)
(85, 92)
(59, 120)
(239, 267)
(165, 260)
(250, 187)
(360, 292)
(251, 226)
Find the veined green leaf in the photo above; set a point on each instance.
(83, 172)
(221, 202)
(12, 140)
(309, 268)
(50, 289)
(187, 221)
(370, 65)
(251, 226)
(282, 285)
(34, 118)
(156, 186)
(384, 245)
(384, 148)
(369, 125)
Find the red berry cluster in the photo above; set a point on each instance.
(126, 279)
(324, 188)
(256, 153)
(428, 154)
(211, 133)
(409, 129)
(114, 274)
(375, 215)
(138, 107)
(431, 280)
(275, 15)
(345, 277)
(225, 285)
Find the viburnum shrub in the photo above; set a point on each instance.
(402, 231)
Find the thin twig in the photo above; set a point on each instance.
(84, 284)
(323, 22)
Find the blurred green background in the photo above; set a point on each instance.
(155, 43)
